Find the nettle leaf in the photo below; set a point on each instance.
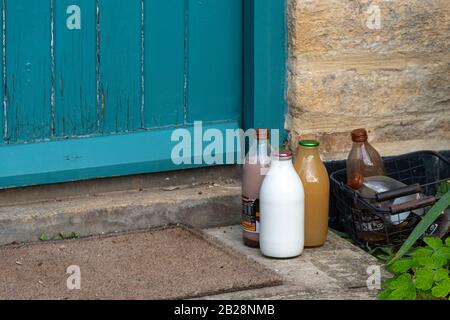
(440, 275)
(443, 252)
(423, 252)
(408, 293)
(388, 284)
(439, 262)
(424, 279)
(402, 266)
(441, 257)
(442, 289)
(447, 242)
(403, 294)
(435, 261)
(425, 261)
(385, 294)
(401, 281)
(402, 288)
(434, 243)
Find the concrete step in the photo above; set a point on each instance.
(201, 200)
(62, 191)
(337, 271)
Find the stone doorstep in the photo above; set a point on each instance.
(336, 271)
(160, 180)
(202, 206)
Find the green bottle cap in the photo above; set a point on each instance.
(309, 143)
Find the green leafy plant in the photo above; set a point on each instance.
(422, 227)
(59, 236)
(420, 272)
(425, 274)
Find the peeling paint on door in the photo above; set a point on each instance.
(80, 73)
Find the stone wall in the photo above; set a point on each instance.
(349, 69)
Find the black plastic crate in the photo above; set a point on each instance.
(372, 225)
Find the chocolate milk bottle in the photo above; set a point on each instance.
(256, 166)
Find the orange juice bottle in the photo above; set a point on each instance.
(316, 183)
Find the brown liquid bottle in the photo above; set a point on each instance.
(255, 168)
(363, 158)
(316, 183)
(364, 161)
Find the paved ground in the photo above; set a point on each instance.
(336, 271)
(117, 268)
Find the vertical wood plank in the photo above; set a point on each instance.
(164, 62)
(249, 65)
(120, 65)
(2, 91)
(75, 69)
(215, 60)
(265, 64)
(29, 71)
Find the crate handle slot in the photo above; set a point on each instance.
(412, 205)
(397, 193)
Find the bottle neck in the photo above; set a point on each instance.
(360, 142)
(263, 146)
(309, 151)
(281, 163)
(360, 145)
(259, 152)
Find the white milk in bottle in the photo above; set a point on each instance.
(282, 209)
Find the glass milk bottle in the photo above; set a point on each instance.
(282, 204)
(256, 165)
(316, 182)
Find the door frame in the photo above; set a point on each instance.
(264, 106)
(265, 64)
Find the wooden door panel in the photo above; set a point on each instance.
(120, 66)
(102, 97)
(214, 60)
(164, 60)
(75, 53)
(28, 71)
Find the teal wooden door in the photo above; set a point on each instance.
(94, 88)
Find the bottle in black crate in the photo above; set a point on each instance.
(387, 217)
(375, 227)
(368, 226)
(365, 161)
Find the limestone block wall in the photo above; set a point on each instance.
(379, 64)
